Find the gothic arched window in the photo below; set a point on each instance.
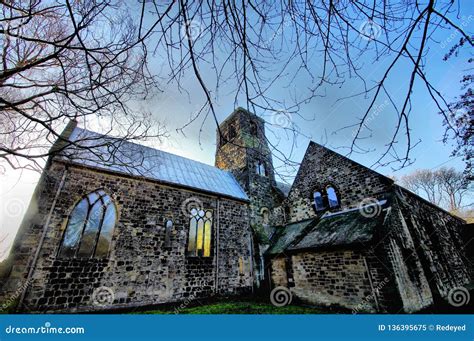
(89, 227)
(318, 201)
(200, 233)
(332, 197)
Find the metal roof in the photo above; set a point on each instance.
(104, 152)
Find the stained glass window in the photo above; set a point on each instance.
(200, 233)
(89, 228)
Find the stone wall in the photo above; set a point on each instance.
(410, 279)
(240, 152)
(322, 167)
(467, 235)
(437, 241)
(139, 270)
(328, 278)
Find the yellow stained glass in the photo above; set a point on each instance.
(207, 238)
(200, 234)
(241, 265)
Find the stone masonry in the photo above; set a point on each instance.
(379, 248)
(140, 269)
(412, 260)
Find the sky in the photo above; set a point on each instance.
(319, 120)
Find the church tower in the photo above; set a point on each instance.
(242, 148)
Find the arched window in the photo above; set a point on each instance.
(265, 216)
(333, 201)
(89, 228)
(168, 231)
(318, 201)
(260, 168)
(231, 133)
(253, 128)
(200, 233)
(223, 138)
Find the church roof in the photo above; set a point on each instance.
(344, 228)
(129, 158)
(287, 235)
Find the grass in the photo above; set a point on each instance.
(238, 307)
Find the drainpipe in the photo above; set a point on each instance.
(217, 245)
(371, 285)
(41, 241)
(251, 259)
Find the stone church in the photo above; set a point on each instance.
(102, 235)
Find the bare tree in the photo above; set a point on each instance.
(460, 122)
(96, 58)
(65, 61)
(424, 182)
(446, 187)
(454, 186)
